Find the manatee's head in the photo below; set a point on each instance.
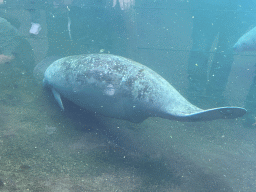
(245, 44)
(238, 47)
(42, 66)
(45, 82)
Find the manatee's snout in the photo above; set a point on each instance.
(45, 83)
(237, 47)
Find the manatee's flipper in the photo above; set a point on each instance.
(58, 98)
(212, 114)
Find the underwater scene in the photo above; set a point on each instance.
(127, 95)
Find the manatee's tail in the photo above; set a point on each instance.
(212, 114)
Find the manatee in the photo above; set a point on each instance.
(117, 87)
(247, 42)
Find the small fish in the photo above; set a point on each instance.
(247, 42)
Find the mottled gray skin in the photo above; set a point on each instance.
(121, 88)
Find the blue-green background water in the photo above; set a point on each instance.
(45, 149)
